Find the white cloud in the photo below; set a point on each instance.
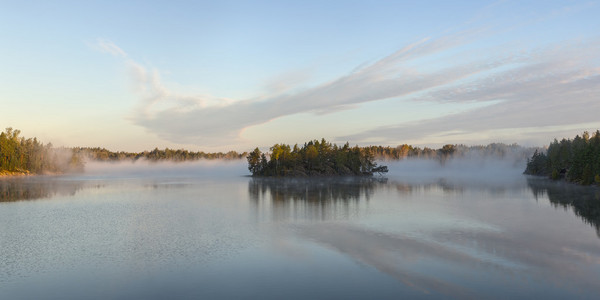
(210, 121)
(110, 47)
(554, 86)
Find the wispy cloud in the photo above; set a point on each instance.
(211, 120)
(556, 85)
(110, 47)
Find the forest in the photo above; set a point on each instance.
(179, 155)
(493, 150)
(321, 158)
(315, 158)
(575, 160)
(19, 155)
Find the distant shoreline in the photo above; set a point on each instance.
(11, 174)
(4, 174)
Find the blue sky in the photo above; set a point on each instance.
(220, 75)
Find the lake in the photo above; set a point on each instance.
(205, 230)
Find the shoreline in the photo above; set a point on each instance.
(10, 174)
(6, 174)
(564, 181)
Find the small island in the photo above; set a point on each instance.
(315, 158)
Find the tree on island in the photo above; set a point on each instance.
(315, 158)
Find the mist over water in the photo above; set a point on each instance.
(467, 227)
(471, 166)
(214, 169)
(471, 170)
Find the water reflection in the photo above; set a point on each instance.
(585, 201)
(313, 199)
(448, 185)
(331, 237)
(397, 255)
(19, 189)
(458, 241)
(342, 198)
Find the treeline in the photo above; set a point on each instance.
(496, 150)
(19, 155)
(378, 152)
(315, 158)
(576, 160)
(180, 155)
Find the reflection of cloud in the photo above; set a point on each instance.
(393, 255)
(536, 253)
(491, 252)
(515, 240)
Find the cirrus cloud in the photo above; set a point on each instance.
(525, 88)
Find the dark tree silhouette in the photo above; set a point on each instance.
(576, 160)
(315, 158)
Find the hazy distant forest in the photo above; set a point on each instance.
(20, 155)
(576, 160)
(180, 155)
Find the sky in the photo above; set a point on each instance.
(234, 75)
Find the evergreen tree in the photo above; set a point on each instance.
(577, 159)
(315, 158)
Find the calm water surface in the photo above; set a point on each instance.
(183, 233)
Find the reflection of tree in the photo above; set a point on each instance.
(454, 186)
(32, 189)
(312, 198)
(403, 188)
(446, 186)
(585, 201)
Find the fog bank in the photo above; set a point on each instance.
(467, 170)
(471, 169)
(143, 168)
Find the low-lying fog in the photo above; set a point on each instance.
(468, 170)
(140, 168)
(467, 227)
(463, 171)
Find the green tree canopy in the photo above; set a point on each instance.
(315, 158)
